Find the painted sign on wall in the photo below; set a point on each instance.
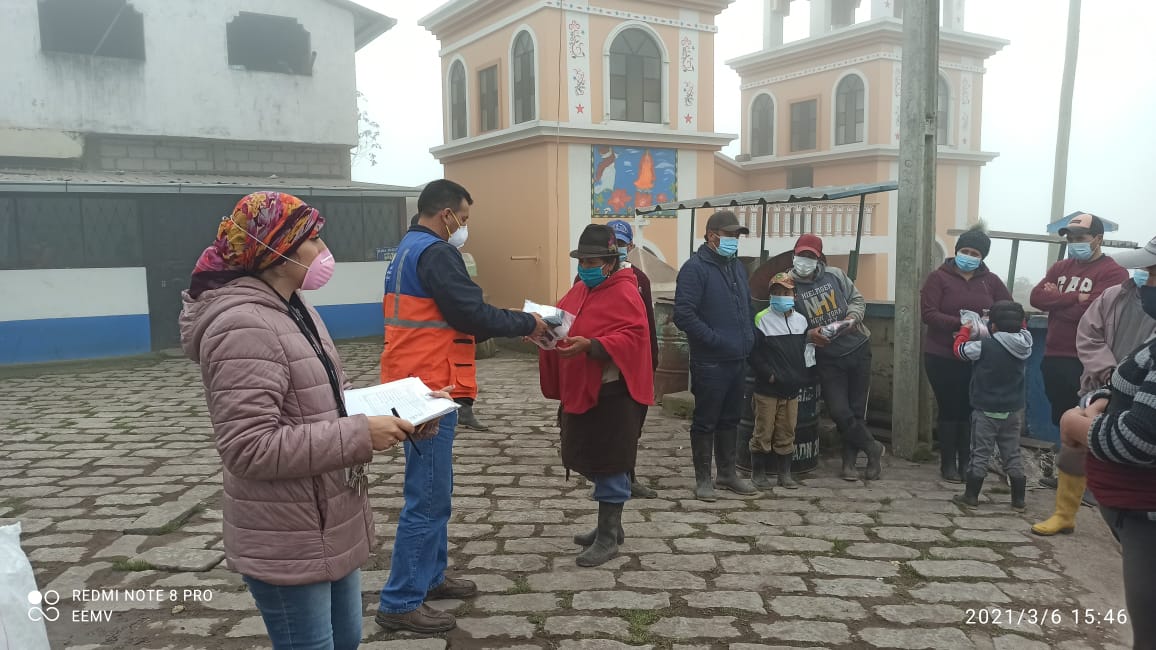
(625, 178)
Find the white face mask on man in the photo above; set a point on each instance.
(458, 238)
(804, 266)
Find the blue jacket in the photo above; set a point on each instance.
(712, 304)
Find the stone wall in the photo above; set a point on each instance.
(228, 157)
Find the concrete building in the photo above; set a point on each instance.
(560, 114)
(128, 128)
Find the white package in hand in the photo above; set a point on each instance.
(23, 609)
(976, 323)
(558, 320)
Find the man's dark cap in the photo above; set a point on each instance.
(1082, 223)
(725, 221)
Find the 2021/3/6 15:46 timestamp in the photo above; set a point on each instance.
(1043, 617)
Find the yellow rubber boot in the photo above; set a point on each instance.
(1069, 493)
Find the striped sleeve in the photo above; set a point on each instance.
(964, 348)
(1128, 437)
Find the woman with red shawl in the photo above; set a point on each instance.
(603, 376)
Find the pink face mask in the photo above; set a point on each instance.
(318, 272)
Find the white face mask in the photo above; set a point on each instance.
(804, 266)
(458, 239)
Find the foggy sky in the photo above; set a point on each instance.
(1112, 130)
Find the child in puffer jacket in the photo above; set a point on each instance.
(780, 366)
(998, 398)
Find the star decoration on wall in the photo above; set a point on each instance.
(579, 108)
(689, 118)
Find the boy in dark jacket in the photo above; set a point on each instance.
(998, 399)
(779, 362)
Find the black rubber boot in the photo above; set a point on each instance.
(963, 447)
(466, 418)
(605, 545)
(725, 449)
(759, 470)
(586, 539)
(785, 478)
(1019, 490)
(702, 448)
(875, 451)
(970, 497)
(948, 432)
(848, 472)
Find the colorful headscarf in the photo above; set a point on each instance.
(263, 227)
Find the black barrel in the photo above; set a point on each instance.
(806, 428)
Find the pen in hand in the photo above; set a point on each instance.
(411, 442)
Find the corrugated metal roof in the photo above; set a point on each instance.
(56, 180)
(795, 195)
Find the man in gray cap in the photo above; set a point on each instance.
(712, 304)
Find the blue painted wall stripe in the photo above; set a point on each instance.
(62, 339)
(353, 321)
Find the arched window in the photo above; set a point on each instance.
(850, 108)
(763, 126)
(457, 100)
(943, 113)
(522, 60)
(635, 77)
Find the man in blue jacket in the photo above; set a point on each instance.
(712, 304)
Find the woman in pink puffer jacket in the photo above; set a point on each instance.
(297, 522)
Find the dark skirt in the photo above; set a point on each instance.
(603, 440)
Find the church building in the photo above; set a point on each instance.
(560, 113)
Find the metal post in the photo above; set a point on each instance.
(1067, 88)
(853, 263)
(1011, 269)
(763, 237)
(910, 406)
(692, 231)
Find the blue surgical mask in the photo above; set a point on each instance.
(1081, 251)
(782, 304)
(728, 246)
(1140, 277)
(966, 263)
(592, 276)
(622, 252)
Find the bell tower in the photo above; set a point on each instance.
(560, 114)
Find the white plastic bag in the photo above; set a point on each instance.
(22, 613)
(559, 320)
(974, 322)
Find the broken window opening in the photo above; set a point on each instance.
(112, 28)
(266, 43)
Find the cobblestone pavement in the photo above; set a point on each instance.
(113, 475)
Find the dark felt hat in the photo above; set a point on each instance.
(596, 240)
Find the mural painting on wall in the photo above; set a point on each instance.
(625, 178)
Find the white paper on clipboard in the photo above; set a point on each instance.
(409, 396)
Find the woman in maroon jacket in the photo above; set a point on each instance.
(962, 282)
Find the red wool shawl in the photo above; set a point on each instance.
(613, 314)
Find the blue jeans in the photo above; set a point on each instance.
(611, 488)
(718, 395)
(320, 616)
(421, 550)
